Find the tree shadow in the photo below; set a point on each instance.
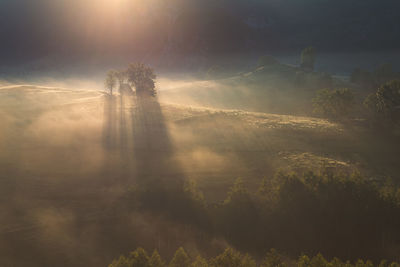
(137, 144)
(123, 128)
(152, 147)
(110, 123)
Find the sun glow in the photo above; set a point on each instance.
(101, 22)
(114, 4)
(101, 26)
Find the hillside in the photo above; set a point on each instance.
(277, 88)
(49, 132)
(68, 156)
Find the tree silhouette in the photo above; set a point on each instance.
(273, 259)
(308, 58)
(199, 262)
(385, 103)
(156, 260)
(111, 81)
(142, 78)
(231, 258)
(139, 258)
(180, 259)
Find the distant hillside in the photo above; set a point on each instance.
(278, 88)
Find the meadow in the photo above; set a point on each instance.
(71, 158)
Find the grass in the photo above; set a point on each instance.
(57, 172)
(214, 146)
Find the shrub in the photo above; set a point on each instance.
(384, 104)
(336, 104)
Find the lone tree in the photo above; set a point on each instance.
(111, 81)
(142, 78)
(308, 58)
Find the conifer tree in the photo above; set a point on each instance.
(180, 259)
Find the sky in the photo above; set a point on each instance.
(64, 31)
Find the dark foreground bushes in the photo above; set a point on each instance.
(233, 258)
(343, 216)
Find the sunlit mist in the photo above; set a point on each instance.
(187, 133)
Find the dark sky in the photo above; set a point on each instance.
(27, 29)
(57, 30)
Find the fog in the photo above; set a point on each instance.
(198, 124)
(72, 154)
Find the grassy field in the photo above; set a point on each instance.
(69, 155)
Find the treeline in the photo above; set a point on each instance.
(379, 108)
(372, 97)
(346, 216)
(233, 258)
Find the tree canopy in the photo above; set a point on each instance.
(385, 102)
(142, 78)
(308, 58)
(233, 258)
(137, 75)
